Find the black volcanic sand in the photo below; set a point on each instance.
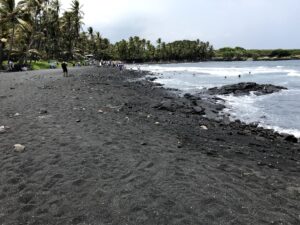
(102, 150)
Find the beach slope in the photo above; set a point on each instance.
(102, 149)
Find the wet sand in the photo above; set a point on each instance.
(102, 150)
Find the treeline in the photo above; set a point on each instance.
(239, 53)
(36, 29)
(141, 50)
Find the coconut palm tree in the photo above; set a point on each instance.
(92, 44)
(53, 24)
(77, 16)
(11, 15)
(66, 26)
(3, 40)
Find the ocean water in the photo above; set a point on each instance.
(278, 111)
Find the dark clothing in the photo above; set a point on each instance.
(64, 67)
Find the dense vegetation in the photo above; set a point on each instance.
(37, 29)
(140, 50)
(239, 53)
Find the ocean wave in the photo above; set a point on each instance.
(248, 110)
(281, 130)
(218, 71)
(294, 74)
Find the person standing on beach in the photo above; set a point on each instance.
(10, 65)
(64, 67)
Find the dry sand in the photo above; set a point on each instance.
(97, 151)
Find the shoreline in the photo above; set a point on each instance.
(216, 60)
(202, 93)
(100, 148)
(173, 62)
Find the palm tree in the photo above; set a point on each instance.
(66, 27)
(91, 32)
(77, 16)
(158, 49)
(98, 43)
(11, 14)
(3, 40)
(34, 35)
(53, 21)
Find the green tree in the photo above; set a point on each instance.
(11, 14)
(77, 16)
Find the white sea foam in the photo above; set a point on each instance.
(217, 71)
(281, 130)
(242, 107)
(294, 74)
(247, 109)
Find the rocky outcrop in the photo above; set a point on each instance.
(245, 89)
(191, 104)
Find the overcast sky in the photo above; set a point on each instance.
(247, 23)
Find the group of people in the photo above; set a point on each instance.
(11, 67)
(117, 64)
(239, 76)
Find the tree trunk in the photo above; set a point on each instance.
(1, 49)
(11, 42)
(27, 49)
(1, 55)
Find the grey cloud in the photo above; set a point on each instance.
(246, 23)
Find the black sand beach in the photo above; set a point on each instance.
(103, 150)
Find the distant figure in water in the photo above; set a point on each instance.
(225, 77)
(239, 75)
(250, 73)
(64, 67)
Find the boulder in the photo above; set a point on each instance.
(291, 138)
(245, 89)
(151, 78)
(43, 111)
(198, 110)
(168, 105)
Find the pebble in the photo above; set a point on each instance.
(203, 127)
(17, 114)
(157, 123)
(212, 153)
(179, 144)
(3, 129)
(43, 111)
(19, 148)
(294, 190)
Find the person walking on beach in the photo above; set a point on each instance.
(64, 67)
(10, 65)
